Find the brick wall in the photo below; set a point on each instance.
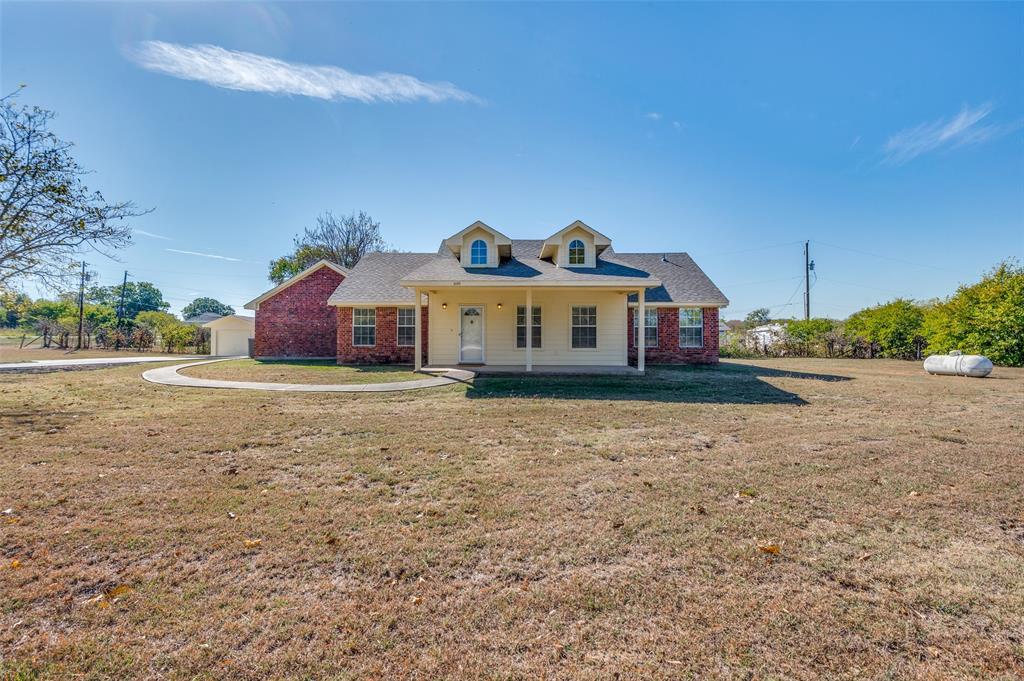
(386, 349)
(668, 350)
(298, 322)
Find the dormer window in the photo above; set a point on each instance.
(577, 253)
(478, 252)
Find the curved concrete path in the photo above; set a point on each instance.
(39, 365)
(170, 376)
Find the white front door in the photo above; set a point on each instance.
(471, 334)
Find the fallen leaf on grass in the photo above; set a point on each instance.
(251, 543)
(769, 548)
(863, 556)
(15, 564)
(415, 600)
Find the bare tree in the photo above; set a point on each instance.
(47, 215)
(341, 240)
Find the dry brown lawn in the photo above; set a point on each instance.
(761, 520)
(317, 372)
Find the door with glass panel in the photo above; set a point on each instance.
(471, 334)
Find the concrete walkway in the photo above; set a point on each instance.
(170, 376)
(40, 365)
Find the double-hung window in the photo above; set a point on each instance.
(406, 326)
(584, 326)
(691, 327)
(650, 326)
(521, 326)
(364, 326)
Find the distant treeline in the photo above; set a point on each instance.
(986, 318)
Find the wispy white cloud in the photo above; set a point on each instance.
(965, 128)
(255, 73)
(151, 235)
(654, 116)
(677, 125)
(203, 255)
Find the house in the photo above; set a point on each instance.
(230, 334)
(468, 303)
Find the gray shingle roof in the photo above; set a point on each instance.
(682, 281)
(375, 279)
(525, 267)
(378, 277)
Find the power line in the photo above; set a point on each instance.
(888, 257)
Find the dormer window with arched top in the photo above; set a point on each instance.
(577, 253)
(478, 252)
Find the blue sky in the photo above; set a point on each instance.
(732, 132)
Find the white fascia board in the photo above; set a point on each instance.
(631, 284)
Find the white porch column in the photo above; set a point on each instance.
(641, 331)
(529, 329)
(417, 363)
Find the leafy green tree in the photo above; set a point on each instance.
(893, 327)
(47, 318)
(761, 315)
(985, 318)
(201, 305)
(13, 307)
(341, 240)
(47, 214)
(809, 337)
(138, 297)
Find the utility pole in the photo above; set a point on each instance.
(120, 312)
(807, 280)
(81, 306)
(120, 307)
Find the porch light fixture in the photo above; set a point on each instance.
(444, 306)
(499, 306)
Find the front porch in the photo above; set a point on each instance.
(541, 370)
(567, 330)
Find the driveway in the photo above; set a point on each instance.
(41, 365)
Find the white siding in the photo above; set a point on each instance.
(467, 242)
(500, 326)
(562, 257)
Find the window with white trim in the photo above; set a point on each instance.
(650, 326)
(521, 326)
(584, 326)
(691, 327)
(406, 326)
(577, 253)
(478, 252)
(364, 326)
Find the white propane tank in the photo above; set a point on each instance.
(959, 364)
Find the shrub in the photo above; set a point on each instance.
(986, 318)
(891, 327)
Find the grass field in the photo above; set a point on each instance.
(774, 519)
(318, 372)
(10, 339)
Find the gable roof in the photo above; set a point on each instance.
(388, 278)
(601, 242)
(525, 268)
(375, 280)
(501, 241)
(255, 302)
(230, 320)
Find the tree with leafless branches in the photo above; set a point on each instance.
(48, 217)
(341, 240)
